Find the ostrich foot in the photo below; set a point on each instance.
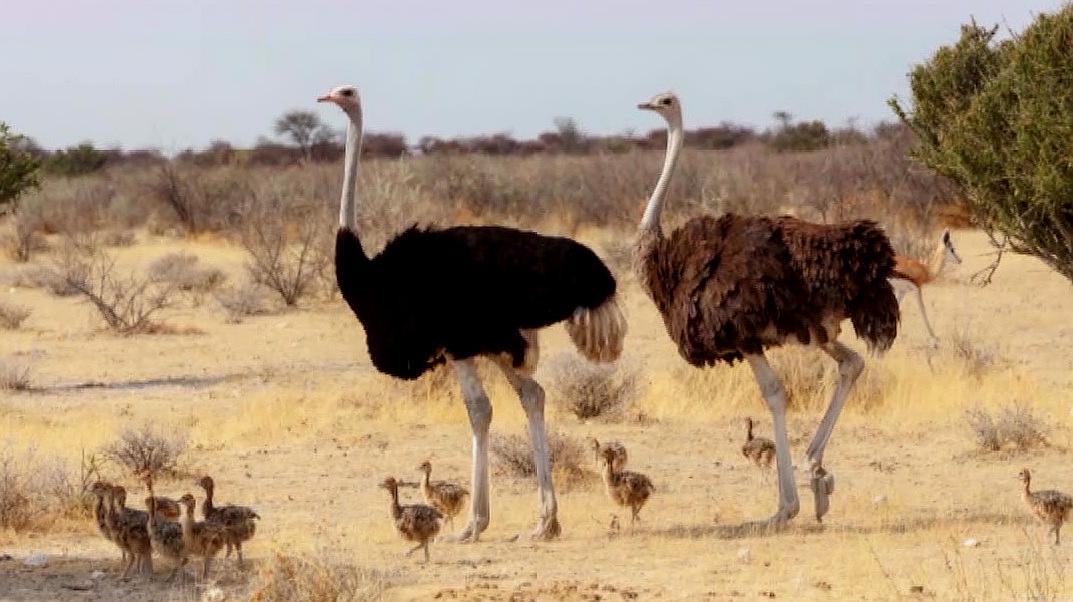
(784, 515)
(822, 484)
(546, 530)
(470, 534)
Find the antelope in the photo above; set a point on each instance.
(914, 274)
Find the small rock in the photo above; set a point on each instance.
(971, 542)
(916, 589)
(37, 560)
(97, 575)
(879, 499)
(744, 555)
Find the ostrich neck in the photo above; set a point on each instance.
(348, 203)
(396, 509)
(609, 471)
(651, 220)
(206, 505)
(426, 482)
(749, 431)
(188, 523)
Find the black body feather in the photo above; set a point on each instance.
(463, 291)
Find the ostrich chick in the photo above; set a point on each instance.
(203, 538)
(626, 488)
(1051, 507)
(618, 448)
(760, 450)
(446, 497)
(417, 522)
(131, 537)
(238, 522)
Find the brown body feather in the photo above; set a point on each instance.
(1050, 506)
(760, 450)
(447, 498)
(734, 285)
(417, 522)
(238, 522)
(626, 488)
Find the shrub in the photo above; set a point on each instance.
(127, 304)
(995, 118)
(589, 390)
(286, 249)
(1015, 425)
(146, 450)
(320, 578)
(12, 316)
(76, 160)
(14, 376)
(976, 358)
(239, 302)
(182, 272)
(18, 167)
(513, 454)
(25, 237)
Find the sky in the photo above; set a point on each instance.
(176, 74)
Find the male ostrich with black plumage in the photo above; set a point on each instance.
(450, 295)
(731, 286)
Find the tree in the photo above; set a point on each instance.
(76, 160)
(18, 167)
(996, 119)
(571, 137)
(305, 129)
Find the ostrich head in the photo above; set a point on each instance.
(1024, 476)
(390, 484)
(948, 248)
(100, 489)
(665, 104)
(425, 467)
(345, 96)
(205, 483)
(188, 502)
(608, 456)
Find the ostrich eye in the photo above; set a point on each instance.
(666, 102)
(348, 93)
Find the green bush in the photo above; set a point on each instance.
(76, 160)
(997, 118)
(18, 167)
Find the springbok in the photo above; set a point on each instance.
(917, 273)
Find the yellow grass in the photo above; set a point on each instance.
(289, 417)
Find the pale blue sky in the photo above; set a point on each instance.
(172, 74)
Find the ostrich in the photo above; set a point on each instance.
(729, 287)
(451, 295)
(1050, 507)
(917, 274)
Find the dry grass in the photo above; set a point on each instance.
(512, 455)
(14, 376)
(322, 577)
(589, 390)
(12, 316)
(1015, 425)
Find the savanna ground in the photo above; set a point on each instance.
(284, 409)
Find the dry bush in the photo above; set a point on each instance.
(118, 238)
(42, 277)
(976, 358)
(33, 488)
(25, 238)
(12, 316)
(183, 272)
(126, 303)
(146, 450)
(248, 299)
(513, 454)
(589, 390)
(1014, 425)
(201, 199)
(14, 376)
(320, 578)
(287, 248)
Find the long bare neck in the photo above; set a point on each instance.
(609, 471)
(651, 220)
(188, 522)
(1027, 492)
(426, 482)
(396, 509)
(206, 504)
(348, 203)
(749, 430)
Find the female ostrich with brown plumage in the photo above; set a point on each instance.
(730, 287)
(454, 294)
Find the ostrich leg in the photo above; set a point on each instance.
(775, 395)
(531, 395)
(480, 417)
(850, 366)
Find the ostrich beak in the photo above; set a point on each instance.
(325, 98)
(645, 106)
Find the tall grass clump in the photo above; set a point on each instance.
(317, 578)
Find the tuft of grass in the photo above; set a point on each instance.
(183, 272)
(14, 376)
(976, 358)
(12, 316)
(319, 578)
(239, 302)
(589, 390)
(34, 488)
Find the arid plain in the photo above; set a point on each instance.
(286, 412)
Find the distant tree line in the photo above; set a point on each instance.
(305, 138)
